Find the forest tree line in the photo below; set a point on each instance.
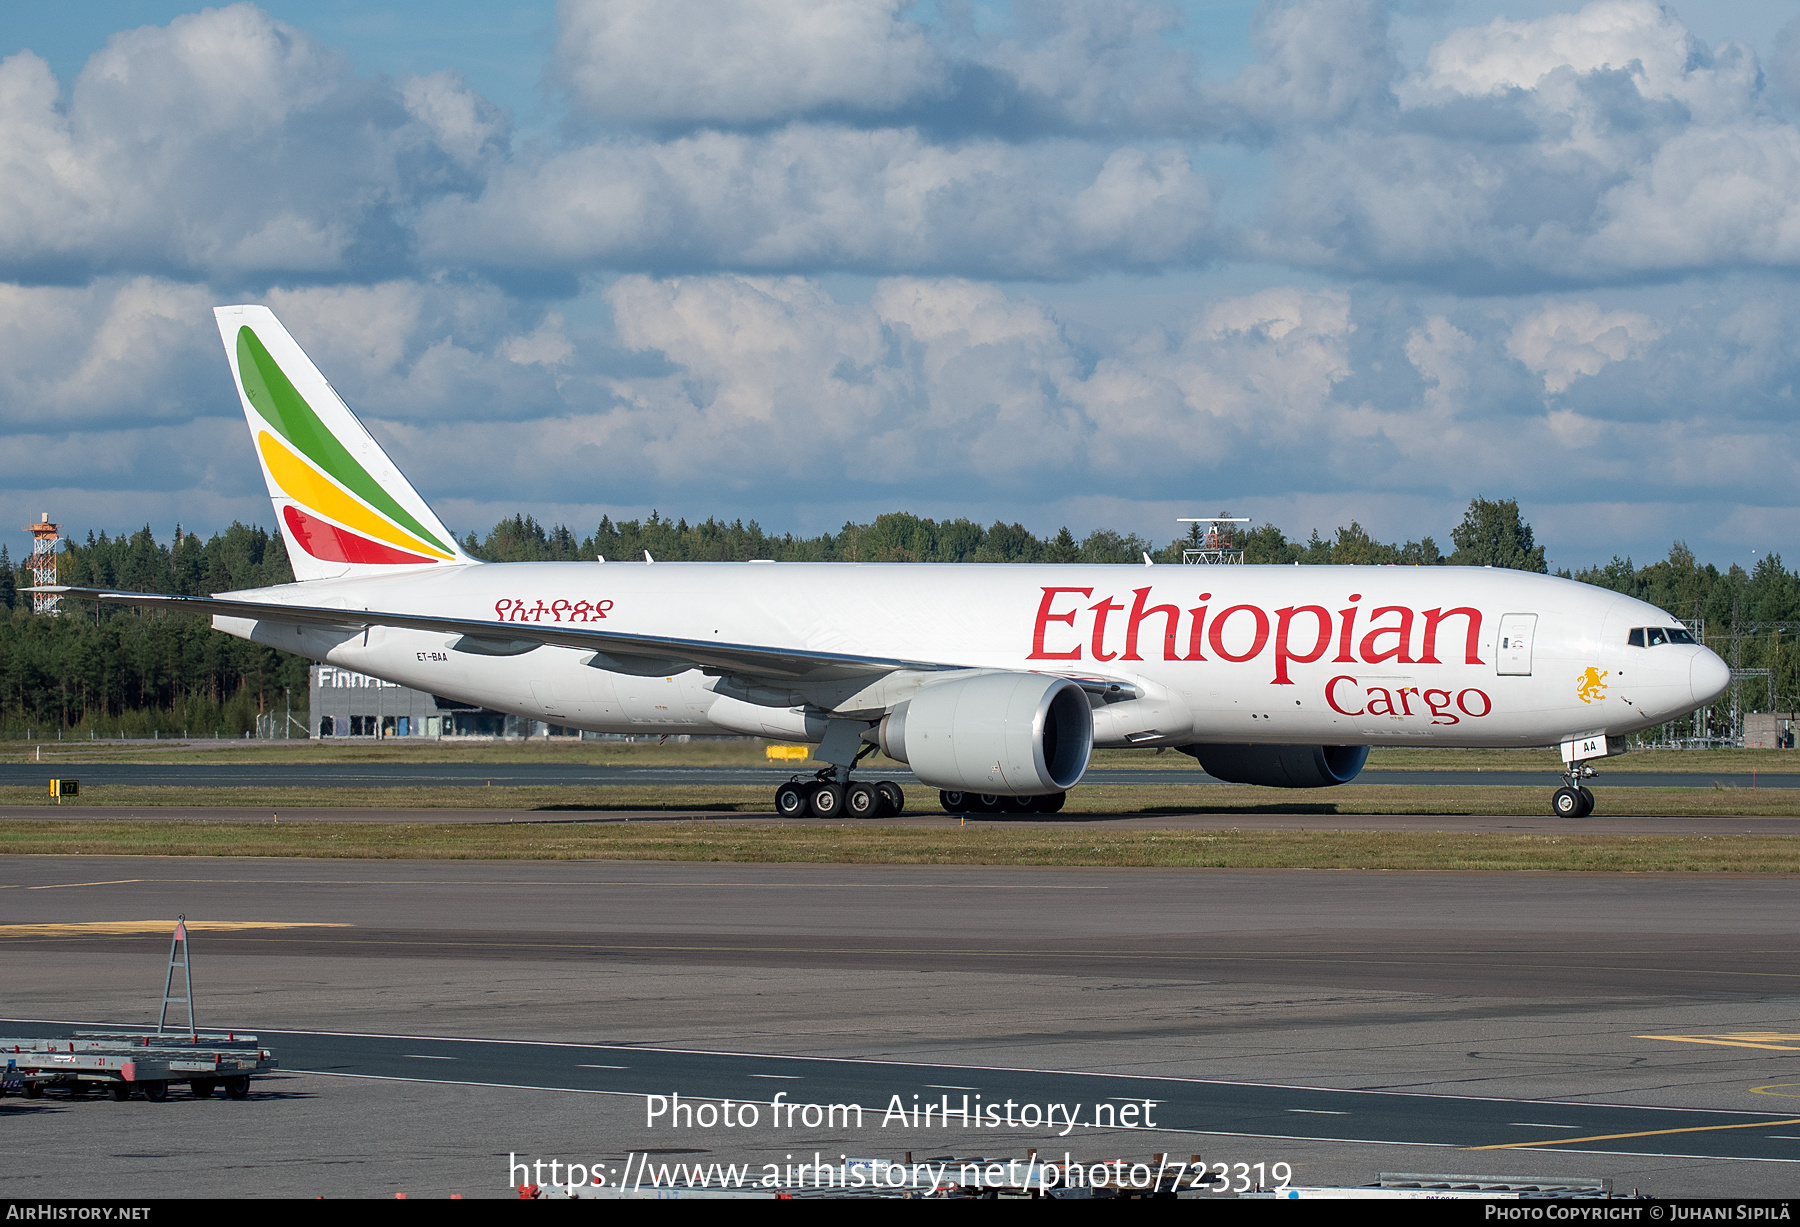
(133, 672)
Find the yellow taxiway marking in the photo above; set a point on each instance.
(1783, 1089)
(129, 928)
(1648, 1133)
(1777, 1040)
(66, 885)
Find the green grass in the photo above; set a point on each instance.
(719, 752)
(976, 844)
(732, 752)
(1701, 762)
(1120, 799)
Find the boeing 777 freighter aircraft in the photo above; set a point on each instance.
(994, 683)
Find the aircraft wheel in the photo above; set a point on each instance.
(1587, 800)
(863, 800)
(828, 801)
(790, 801)
(1566, 803)
(987, 803)
(1019, 805)
(893, 801)
(954, 802)
(1052, 803)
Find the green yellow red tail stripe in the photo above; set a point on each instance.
(341, 501)
(274, 396)
(308, 487)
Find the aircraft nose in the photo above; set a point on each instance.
(1709, 677)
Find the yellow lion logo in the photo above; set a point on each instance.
(1590, 687)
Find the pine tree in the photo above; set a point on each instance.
(1493, 534)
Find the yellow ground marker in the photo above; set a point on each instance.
(131, 928)
(1777, 1040)
(1648, 1133)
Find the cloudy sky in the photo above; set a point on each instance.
(1083, 262)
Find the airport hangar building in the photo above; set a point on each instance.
(345, 703)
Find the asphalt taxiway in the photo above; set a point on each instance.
(436, 1018)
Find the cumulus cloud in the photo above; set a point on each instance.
(744, 395)
(690, 61)
(411, 355)
(1592, 147)
(1439, 350)
(1522, 171)
(937, 381)
(816, 196)
(1565, 341)
(799, 135)
(221, 144)
(1635, 37)
(1058, 67)
(1097, 68)
(1604, 145)
(774, 379)
(1322, 62)
(1585, 148)
(101, 355)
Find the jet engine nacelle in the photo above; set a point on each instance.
(1282, 766)
(1008, 734)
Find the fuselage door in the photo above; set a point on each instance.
(1514, 654)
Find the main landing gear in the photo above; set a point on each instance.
(988, 803)
(1573, 800)
(832, 794)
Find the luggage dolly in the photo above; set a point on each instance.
(126, 1061)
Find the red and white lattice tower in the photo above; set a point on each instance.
(44, 536)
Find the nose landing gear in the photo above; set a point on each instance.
(1573, 799)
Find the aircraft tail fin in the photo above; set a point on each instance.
(342, 506)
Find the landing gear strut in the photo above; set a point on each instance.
(1573, 799)
(831, 793)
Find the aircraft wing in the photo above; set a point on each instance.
(647, 655)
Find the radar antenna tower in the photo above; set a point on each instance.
(1212, 540)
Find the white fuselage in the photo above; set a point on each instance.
(1229, 654)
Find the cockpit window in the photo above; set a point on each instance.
(1656, 636)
